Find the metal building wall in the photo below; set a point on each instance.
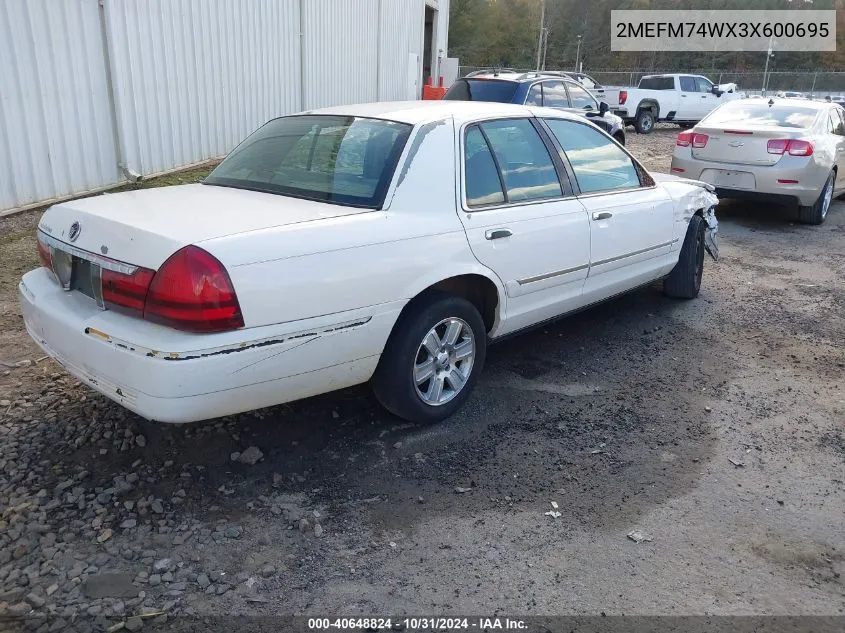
(339, 51)
(192, 78)
(400, 34)
(95, 90)
(56, 127)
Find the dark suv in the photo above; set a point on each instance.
(539, 89)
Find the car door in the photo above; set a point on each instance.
(687, 99)
(522, 219)
(631, 220)
(706, 100)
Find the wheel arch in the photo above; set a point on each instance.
(478, 286)
(649, 104)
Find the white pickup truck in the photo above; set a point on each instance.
(682, 99)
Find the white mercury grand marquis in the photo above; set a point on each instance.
(387, 242)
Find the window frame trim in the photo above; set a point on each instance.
(561, 168)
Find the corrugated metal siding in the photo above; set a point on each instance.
(340, 52)
(56, 128)
(192, 78)
(400, 33)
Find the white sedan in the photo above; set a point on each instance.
(387, 242)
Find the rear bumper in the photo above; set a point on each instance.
(172, 377)
(760, 182)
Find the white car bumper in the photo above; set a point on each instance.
(170, 376)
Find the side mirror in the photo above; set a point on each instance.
(603, 107)
(715, 90)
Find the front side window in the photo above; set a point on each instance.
(599, 163)
(554, 95)
(581, 99)
(507, 161)
(703, 85)
(335, 159)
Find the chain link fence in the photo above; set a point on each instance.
(809, 82)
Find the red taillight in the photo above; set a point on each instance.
(623, 97)
(192, 291)
(126, 293)
(685, 139)
(699, 140)
(44, 254)
(791, 146)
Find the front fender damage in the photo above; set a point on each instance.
(693, 197)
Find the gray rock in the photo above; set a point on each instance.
(35, 600)
(268, 572)
(135, 623)
(250, 456)
(165, 564)
(109, 585)
(156, 507)
(203, 581)
(19, 609)
(167, 577)
(141, 441)
(233, 531)
(52, 589)
(155, 580)
(129, 523)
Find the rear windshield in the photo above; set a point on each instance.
(757, 114)
(657, 83)
(497, 90)
(342, 160)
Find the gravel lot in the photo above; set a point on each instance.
(715, 427)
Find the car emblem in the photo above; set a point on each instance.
(736, 143)
(74, 232)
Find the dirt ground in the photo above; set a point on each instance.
(714, 427)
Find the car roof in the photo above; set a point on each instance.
(530, 76)
(417, 112)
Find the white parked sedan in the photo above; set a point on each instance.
(385, 242)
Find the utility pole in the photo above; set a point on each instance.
(542, 28)
(578, 56)
(766, 69)
(545, 45)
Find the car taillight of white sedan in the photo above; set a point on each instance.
(191, 291)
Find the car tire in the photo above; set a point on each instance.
(817, 212)
(397, 380)
(684, 282)
(644, 123)
(619, 138)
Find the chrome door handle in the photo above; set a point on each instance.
(604, 215)
(496, 234)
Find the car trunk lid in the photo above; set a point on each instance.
(740, 146)
(145, 227)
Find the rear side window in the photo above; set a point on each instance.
(554, 95)
(599, 163)
(482, 90)
(687, 84)
(342, 160)
(749, 113)
(522, 167)
(661, 83)
(483, 184)
(535, 95)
